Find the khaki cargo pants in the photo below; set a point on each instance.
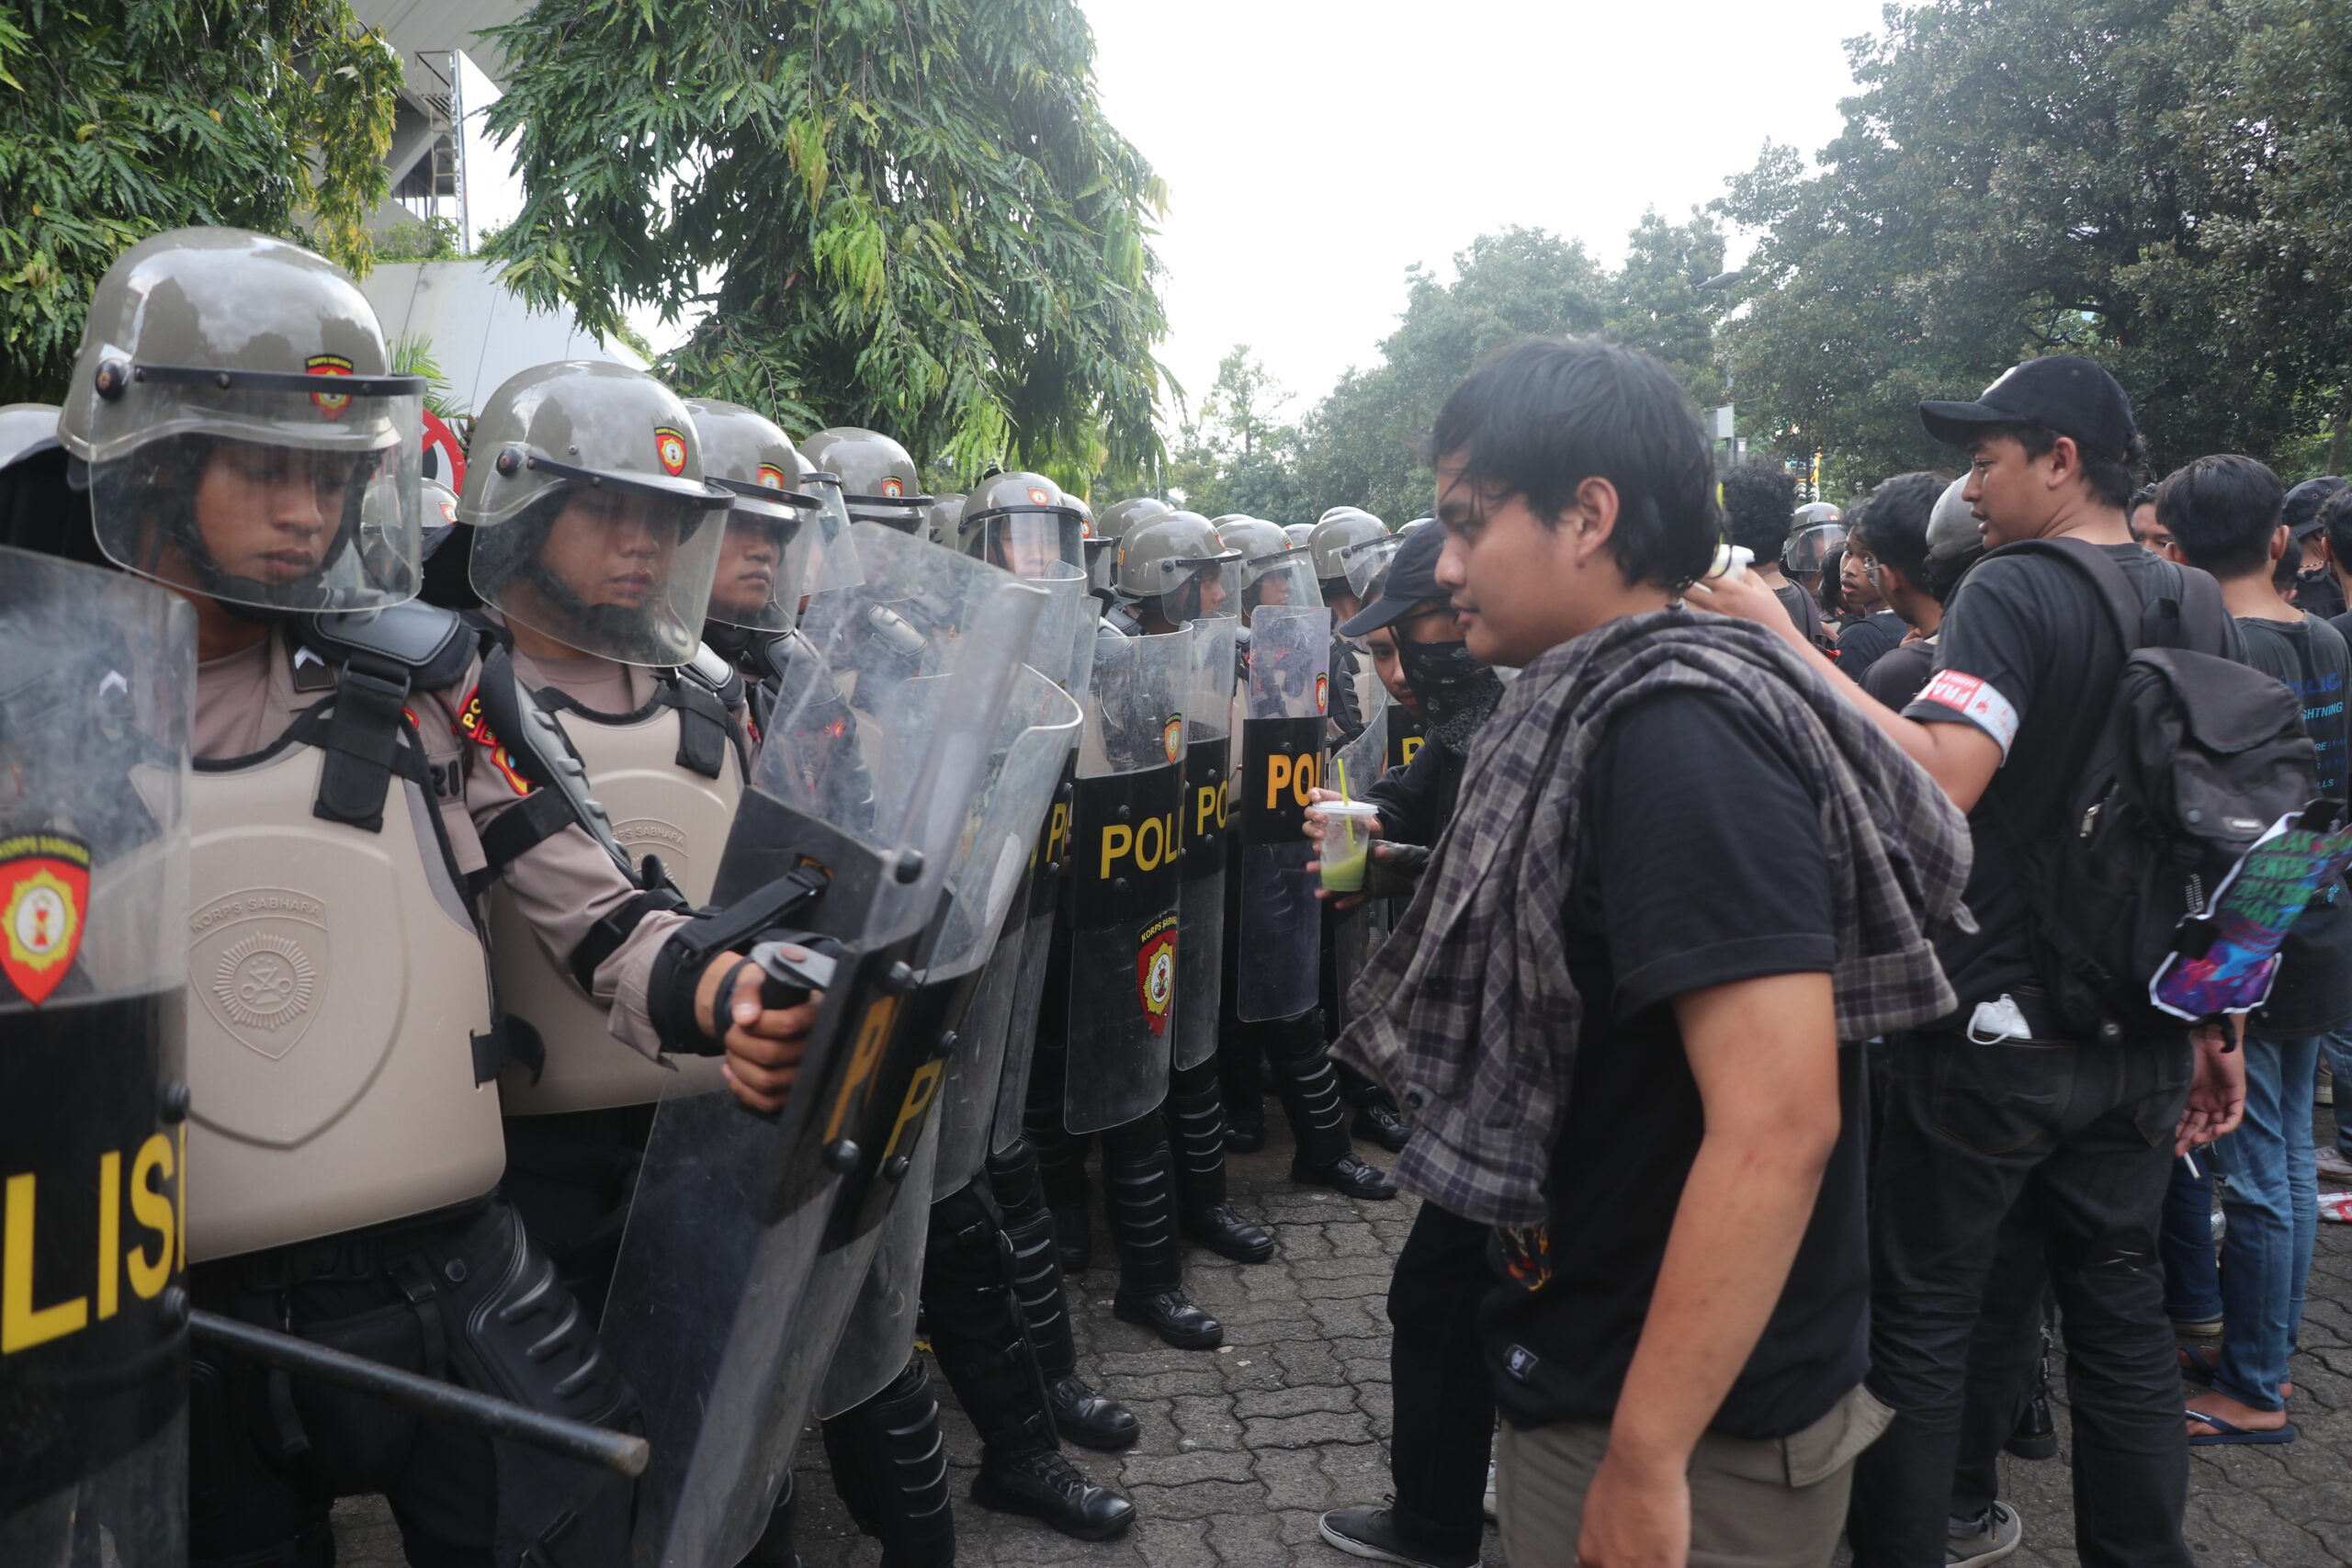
(1770, 1502)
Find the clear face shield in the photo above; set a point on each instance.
(269, 492)
(1365, 564)
(1035, 543)
(1199, 589)
(764, 556)
(906, 513)
(612, 569)
(1809, 547)
(1282, 580)
(1101, 558)
(832, 554)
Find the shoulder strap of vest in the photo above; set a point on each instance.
(538, 749)
(380, 656)
(698, 691)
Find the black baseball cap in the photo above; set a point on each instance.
(2301, 512)
(2074, 396)
(1411, 580)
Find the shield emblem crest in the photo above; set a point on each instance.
(259, 960)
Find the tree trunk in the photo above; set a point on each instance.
(2336, 434)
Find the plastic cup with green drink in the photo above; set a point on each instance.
(1346, 840)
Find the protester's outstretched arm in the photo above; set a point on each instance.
(1961, 758)
(1764, 1053)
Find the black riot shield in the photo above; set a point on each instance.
(1282, 760)
(1200, 926)
(1048, 891)
(1357, 932)
(1405, 735)
(1124, 880)
(990, 866)
(97, 694)
(726, 1301)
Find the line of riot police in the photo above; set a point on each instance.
(629, 950)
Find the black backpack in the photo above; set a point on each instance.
(2199, 754)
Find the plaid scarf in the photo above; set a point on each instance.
(1467, 1011)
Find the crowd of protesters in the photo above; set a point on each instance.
(1765, 1138)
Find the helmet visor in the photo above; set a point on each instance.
(1101, 558)
(277, 499)
(1199, 589)
(1032, 543)
(832, 554)
(1364, 564)
(1286, 578)
(764, 554)
(609, 572)
(907, 514)
(1809, 547)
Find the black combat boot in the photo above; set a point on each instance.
(1143, 1226)
(1196, 1130)
(890, 1467)
(1241, 1079)
(1378, 1120)
(1043, 1485)
(1081, 1414)
(1311, 1096)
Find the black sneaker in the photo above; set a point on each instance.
(1378, 1124)
(1372, 1532)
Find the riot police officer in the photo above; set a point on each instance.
(243, 441)
(1103, 544)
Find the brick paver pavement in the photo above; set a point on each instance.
(1243, 1448)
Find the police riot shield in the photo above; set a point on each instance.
(1405, 737)
(97, 694)
(1022, 804)
(1357, 932)
(1282, 760)
(726, 1301)
(991, 866)
(1049, 863)
(1200, 924)
(1124, 880)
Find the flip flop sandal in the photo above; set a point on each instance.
(2196, 1367)
(2226, 1432)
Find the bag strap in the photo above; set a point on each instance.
(2125, 608)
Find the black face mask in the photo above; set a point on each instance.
(1457, 693)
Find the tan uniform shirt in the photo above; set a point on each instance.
(562, 887)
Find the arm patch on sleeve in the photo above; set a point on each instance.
(1976, 701)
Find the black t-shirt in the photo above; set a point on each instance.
(2321, 596)
(2028, 653)
(1898, 673)
(1801, 610)
(2314, 992)
(1701, 863)
(1867, 640)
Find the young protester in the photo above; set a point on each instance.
(1759, 499)
(2317, 591)
(1444, 1404)
(1602, 957)
(1999, 1122)
(1873, 630)
(1889, 548)
(2225, 515)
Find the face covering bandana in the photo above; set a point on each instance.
(1456, 691)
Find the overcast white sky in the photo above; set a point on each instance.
(1315, 149)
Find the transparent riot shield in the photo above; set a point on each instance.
(1124, 880)
(96, 695)
(1357, 932)
(1285, 580)
(989, 867)
(1047, 894)
(720, 1314)
(1282, 760)
(1024, 801)
(1200, 926)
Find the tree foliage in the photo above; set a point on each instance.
(1236, 454)
(909, 214)
(2158, 184)
(119, 119)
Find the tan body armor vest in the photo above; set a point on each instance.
(658, 808)
(335, 984)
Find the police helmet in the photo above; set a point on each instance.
(771, 537)
(242, 433)
(1177, 561)
(1350, 546)
(874, 475)
(1025, 523)
(587, 496)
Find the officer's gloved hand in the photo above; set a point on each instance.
(1394, 871)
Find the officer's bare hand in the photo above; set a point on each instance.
(1314, 829)
(763, 1044)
